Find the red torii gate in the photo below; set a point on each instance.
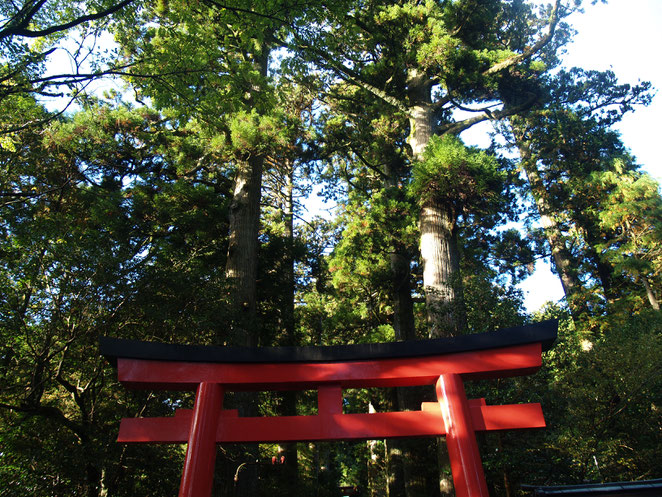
(443, 362)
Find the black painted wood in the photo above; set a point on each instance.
(642, 488)
(544, 332)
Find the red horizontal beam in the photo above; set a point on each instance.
(233, 429)
(509, 361)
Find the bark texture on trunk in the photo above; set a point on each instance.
(244, 221)
(441, 271)
(241, 274)
(395, 482)
(241, 265)
(421, 123)
(438, 244)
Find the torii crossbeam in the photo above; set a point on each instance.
(446, 363)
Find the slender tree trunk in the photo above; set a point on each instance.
(400, 263)
(375, 487)
(403, 304)
(404, 328)
(289, 476)
(401, 454)
(288, 257)
(652, 299)
(563, 260)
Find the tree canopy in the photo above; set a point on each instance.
(182, 207)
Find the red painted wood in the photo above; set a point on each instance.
(163, 375)
(329, 400)
(428, 422)
(453, 415)
(500, 417)
(474, 405)
(198, 474)
(466, 465)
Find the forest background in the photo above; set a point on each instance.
(173, 210)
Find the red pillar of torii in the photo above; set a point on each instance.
(446, 363)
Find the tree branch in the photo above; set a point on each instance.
(458, 127)
(224, 6)
(20, 29)
(516, 59)
(350, 75)
(50, 412)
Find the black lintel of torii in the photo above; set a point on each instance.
(544, 332)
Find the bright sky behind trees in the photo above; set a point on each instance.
(624, 36)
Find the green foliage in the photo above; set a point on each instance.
(114, 220)
(467, 178)
(97, 238)
(359, 264)
(631, 215)
(613, 380)
(600, 395)
(251, 133)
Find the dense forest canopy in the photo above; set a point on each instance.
(173, 208)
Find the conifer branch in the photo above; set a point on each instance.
(536, 47)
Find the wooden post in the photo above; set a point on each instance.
(466, 466)
(198, 474)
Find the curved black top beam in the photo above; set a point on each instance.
(544, 332)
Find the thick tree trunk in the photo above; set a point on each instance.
(439, 251)
(441, 271)
(241, 274)
(242, 260)
(441, 277)
(241, 265)
(395, 480)
(421, 125)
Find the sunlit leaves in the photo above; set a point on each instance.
(469, 179)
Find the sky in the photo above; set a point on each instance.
(626, 37)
